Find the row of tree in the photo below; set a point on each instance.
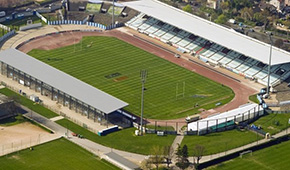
(164, 155)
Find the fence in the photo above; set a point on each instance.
(110, 27)
(277, 112)
(41, 17)
(30, 26)
(25, 143)
(7, 36)
(5, 27)
(93, 24)
(96, 25)
(278, 104)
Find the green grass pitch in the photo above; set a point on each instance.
(274, 157)
(58, 154)
(220, 141)
(113, 66)
(127, 140)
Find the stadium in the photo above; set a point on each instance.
(178, 97)
(89, 69)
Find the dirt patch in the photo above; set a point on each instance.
(120, 78)
(20, 133)
(15, 157)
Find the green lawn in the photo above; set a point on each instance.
(220, 141)
(14, 120)
(3, 32)
(58, 154)
(114, 66)
(273, 123)
(272, 158)
(30, 104)
(254, 99)
(162, 128)
(93, 7)
(123, 139)
(117, 10)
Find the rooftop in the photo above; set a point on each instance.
(61, 81)
(210, 31)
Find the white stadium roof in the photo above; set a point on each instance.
(61, 81)
(210, 31)
(225, 117)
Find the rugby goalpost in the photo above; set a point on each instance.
(246, 152)
(177, 93)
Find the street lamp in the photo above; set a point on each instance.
(269, 66)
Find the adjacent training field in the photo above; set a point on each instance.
(274, 157)
(220, 141)
(114, 66)
(59, 154)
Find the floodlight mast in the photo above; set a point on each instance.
(269, 66)
(113, 19)
(143, 75)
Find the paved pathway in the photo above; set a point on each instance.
(56, 118)
(177, 141)
(93, 147)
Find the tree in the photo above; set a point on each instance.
(247, 13)
(286, 23)
(146, 164)
(198, 152)
(258, 16)
(187, 8)
(221, 19)
(182, 157)
(279, 43)
(225, 6)
(156, 157)
(168, 154)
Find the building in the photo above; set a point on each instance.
(210, 42)
(287, 2)
(279, 4)
(6, 107)
(59, 86)
(214, 4)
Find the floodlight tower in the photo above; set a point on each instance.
(113, 19)
(269, 66)
(143, 75)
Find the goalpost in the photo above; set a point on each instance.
(246, 152)
(177, 92)
(78, 46)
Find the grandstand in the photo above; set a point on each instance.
(226, 120)
(77, 95)
(210, 42)
(99, 11)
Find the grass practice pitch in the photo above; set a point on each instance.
(58, 154)
(113, 66)
(274, 157)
